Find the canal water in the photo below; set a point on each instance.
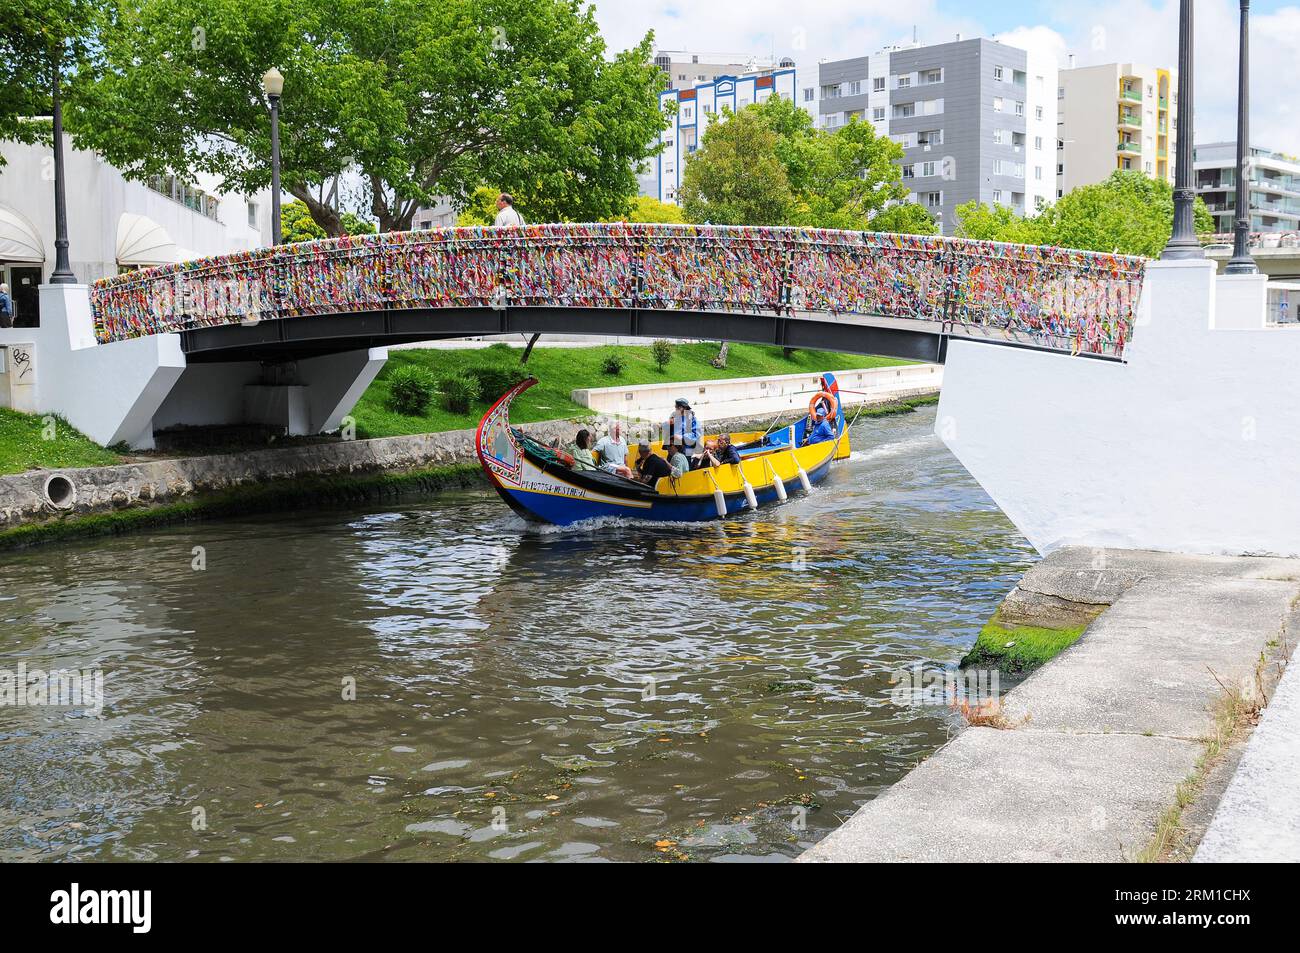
(439, 681)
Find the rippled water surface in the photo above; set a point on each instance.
(719, 691)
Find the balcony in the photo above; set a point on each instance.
(1164, 102)
(1130, 120)
(1129, 148)
(1131, 95)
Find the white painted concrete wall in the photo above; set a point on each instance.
(1192, 445)
(746, 396)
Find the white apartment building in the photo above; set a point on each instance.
(1273, 180)
(697, 107)
(114, 225)
(976, 119)
(685, 70)
(1115, 116)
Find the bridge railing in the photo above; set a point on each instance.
(1070, 300)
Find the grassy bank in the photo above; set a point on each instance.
(278, 496)
(26, 443)
(561, 370)
(1018, 649)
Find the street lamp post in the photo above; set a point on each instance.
(273, 86)
(62, 274)
(1241, 263)
(1183, 244)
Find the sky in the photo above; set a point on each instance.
(1103, 31)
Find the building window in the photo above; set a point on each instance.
(928, 168)
(855, 88)
(809, 94)
(904, 110)
(997, 104)
(878, 84)
(1038, 143)
(998, 196)
(932, 76)
(909, 171)
(1038, 173)
(1060, 92)
(902, 80)
(930, 137)
(252, 215)
(831, 92)
(878, 113)
(1020, 108)
(1038, 112)
(997, 73)
(1001, 137)
(931, 199)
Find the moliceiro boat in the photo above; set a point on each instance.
(542, 483)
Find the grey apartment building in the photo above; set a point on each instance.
(976, 119)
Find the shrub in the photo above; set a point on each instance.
(613, 363)
(495, 379)
(459, 392)
(662, 352)
(409, 390)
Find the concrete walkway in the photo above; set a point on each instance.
(1258, 819)
(1104, 733)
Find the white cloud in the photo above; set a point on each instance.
(1140, 31)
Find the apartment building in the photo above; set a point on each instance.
(976, 119)
(1115, 116)
(697, 107)
(683, 70)
(1273, 182)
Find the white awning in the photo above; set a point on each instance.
(19, 240)
(142, 243)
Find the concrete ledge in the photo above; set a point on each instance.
(755, 396)
(1098, 739)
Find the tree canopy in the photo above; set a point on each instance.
(297, 225)
(1129, 213)
(768, 165)
(407, 99)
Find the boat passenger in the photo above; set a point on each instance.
(611, 452)
(726, 453)
(678, 461)
(580, 450)
(822, 430)
(683, 426)
(650, 467)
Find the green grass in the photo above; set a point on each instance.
(561, 370)
(23, 445)
(1017, 649)
(277, 496)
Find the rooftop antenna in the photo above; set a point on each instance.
(913, 32)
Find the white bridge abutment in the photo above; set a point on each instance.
(124, 391)
(1191, 444)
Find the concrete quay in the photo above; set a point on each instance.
(1096, 743)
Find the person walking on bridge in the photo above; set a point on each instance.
(506, 214)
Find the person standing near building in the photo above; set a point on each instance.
(6, 307)
(506, 214)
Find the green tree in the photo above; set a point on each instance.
(736, 177)
(1129, 213)
(651, 211)
(849, 178)
(415, 99)
(39, 40)
(297, 225)
(480, 208)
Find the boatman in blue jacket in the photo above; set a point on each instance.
(683, 427)
(822, 430)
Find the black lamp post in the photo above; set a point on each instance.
(1183, 244)
(1241, 263)
(273, 86)
(62, 274)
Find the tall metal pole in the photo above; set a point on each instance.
(1241, 263)
(62, 274)
(1183, 244)
(275, 169)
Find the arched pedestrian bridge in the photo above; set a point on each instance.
(895, 295)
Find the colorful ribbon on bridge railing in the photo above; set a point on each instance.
(1080, 301)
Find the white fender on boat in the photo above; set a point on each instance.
(803, 479)
(720, 501)
(779, 487)
(750, 498)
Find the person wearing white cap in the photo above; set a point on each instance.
(683, 427)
